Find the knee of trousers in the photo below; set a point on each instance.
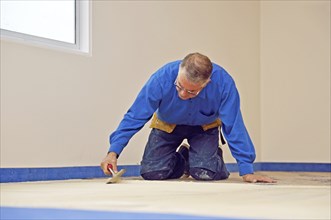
(156, 175)
(205, 174)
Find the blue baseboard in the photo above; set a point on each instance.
(296, 167)
(59, 173)
(87, 172)
(289, 167)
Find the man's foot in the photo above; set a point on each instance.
(184, 151)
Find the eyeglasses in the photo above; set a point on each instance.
(190, 92)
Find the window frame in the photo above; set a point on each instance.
(82, 33)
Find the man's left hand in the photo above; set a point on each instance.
(253, 178)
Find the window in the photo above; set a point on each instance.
(63, 24)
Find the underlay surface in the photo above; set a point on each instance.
(296, 195)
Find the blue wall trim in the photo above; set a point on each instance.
(59, 173)
(298, 167)
(290, 167)
(87, 172)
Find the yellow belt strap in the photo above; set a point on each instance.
(167, 127)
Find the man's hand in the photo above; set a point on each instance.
(111, 158)
(253, 178)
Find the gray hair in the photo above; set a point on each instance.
(197, 67)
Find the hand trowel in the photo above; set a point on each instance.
(116, 176)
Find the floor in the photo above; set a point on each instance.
(296, 195)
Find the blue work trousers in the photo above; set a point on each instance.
(161, 161)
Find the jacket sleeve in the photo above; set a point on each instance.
(137, 116)
(234, 130)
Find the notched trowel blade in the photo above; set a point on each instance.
(116, 178)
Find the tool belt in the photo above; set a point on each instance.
(167, 127)
(164, 126)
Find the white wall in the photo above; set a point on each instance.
(58, 109)
(295, 81)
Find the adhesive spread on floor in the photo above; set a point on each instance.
(295, 196)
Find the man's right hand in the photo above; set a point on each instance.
(111, 158)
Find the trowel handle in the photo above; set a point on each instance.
(110, 168)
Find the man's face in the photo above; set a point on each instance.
(187, 89)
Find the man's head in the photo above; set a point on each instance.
(194, 74)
